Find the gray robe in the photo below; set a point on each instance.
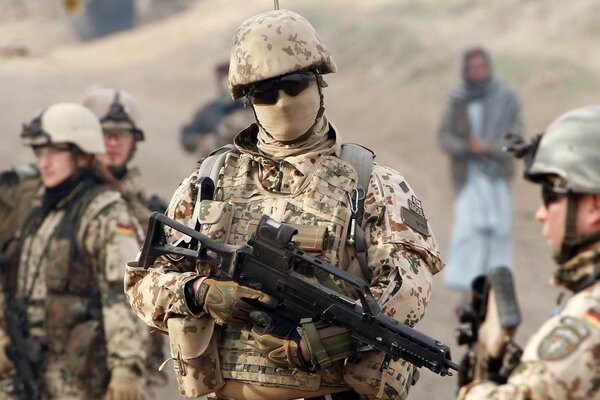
(502, 115)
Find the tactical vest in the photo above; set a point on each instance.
(322, 200)
(73, 309)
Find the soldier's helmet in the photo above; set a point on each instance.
(272, 44)
(570, 149)
(116, 109)
(66, 123)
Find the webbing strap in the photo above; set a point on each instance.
(211, 165)
(362, 160)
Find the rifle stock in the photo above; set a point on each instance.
(493, 318)
(273, 264)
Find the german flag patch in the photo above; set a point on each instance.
(124, 229)
(593, 317)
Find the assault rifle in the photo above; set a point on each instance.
(24, 351)
(26, 354)
(272, 263)
(491, 321)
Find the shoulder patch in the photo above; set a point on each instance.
(563, 339)
(414, 216)
(593, 317)
(414, 220)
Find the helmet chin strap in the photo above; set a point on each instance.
(573, 243)
(309, 131)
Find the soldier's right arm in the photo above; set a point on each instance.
(158, 293)
(561, 361)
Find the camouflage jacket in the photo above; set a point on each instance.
(402, 259)
(134, 195)
(562, 359)
(18, 188)
(106, 239)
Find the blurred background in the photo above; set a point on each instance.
(397, 60)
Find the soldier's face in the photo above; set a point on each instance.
(553, 219)
(290, 116)
(56, 164)
(119, 144)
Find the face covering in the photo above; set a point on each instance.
(290, 117)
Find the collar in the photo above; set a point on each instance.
(578, 269)
(57, 197)
(131, 181)
(246, 142)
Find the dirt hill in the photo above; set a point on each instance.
(397, 59)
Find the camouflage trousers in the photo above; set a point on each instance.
(54, 385)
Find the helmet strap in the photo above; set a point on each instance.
(573, 243)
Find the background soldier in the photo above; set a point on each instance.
(118, 112)
(288, 165)
(64, 284)
(119, 116)
(18, 187)
(217, 122)
(479, 114)
(562, 360)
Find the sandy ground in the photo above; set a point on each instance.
(396, 59)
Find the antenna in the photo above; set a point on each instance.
(276, 4)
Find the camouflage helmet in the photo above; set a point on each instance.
(116, 109)
(272, 44)
(66, 123)
(569, 148)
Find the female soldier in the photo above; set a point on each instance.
(66, 275)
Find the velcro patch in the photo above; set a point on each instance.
(563, 339)
(415, 221)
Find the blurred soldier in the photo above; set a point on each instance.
(562, 360)
(216, 123)
(289, 164)
(18, 187)
(118, 113)
(478, 115)
(71, 334)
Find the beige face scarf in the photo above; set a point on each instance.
(283, 124)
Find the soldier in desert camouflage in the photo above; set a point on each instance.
(118, 112)
(67, 265)
(562, 359)
(119, 115)
(290, 165)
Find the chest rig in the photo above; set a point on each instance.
(325, 199)
(73, 295)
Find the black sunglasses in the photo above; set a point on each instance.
(267, 91)
(549, 193)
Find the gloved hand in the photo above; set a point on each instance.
(228, 302)
(124, 385)
(6, 363)
(283, 352)
(309, 347)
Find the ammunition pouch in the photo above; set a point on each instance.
(194, 354)
(86, 358)
(326, 344)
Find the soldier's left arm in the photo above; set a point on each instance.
(561, 361)
(403, 256)
(112, 239)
